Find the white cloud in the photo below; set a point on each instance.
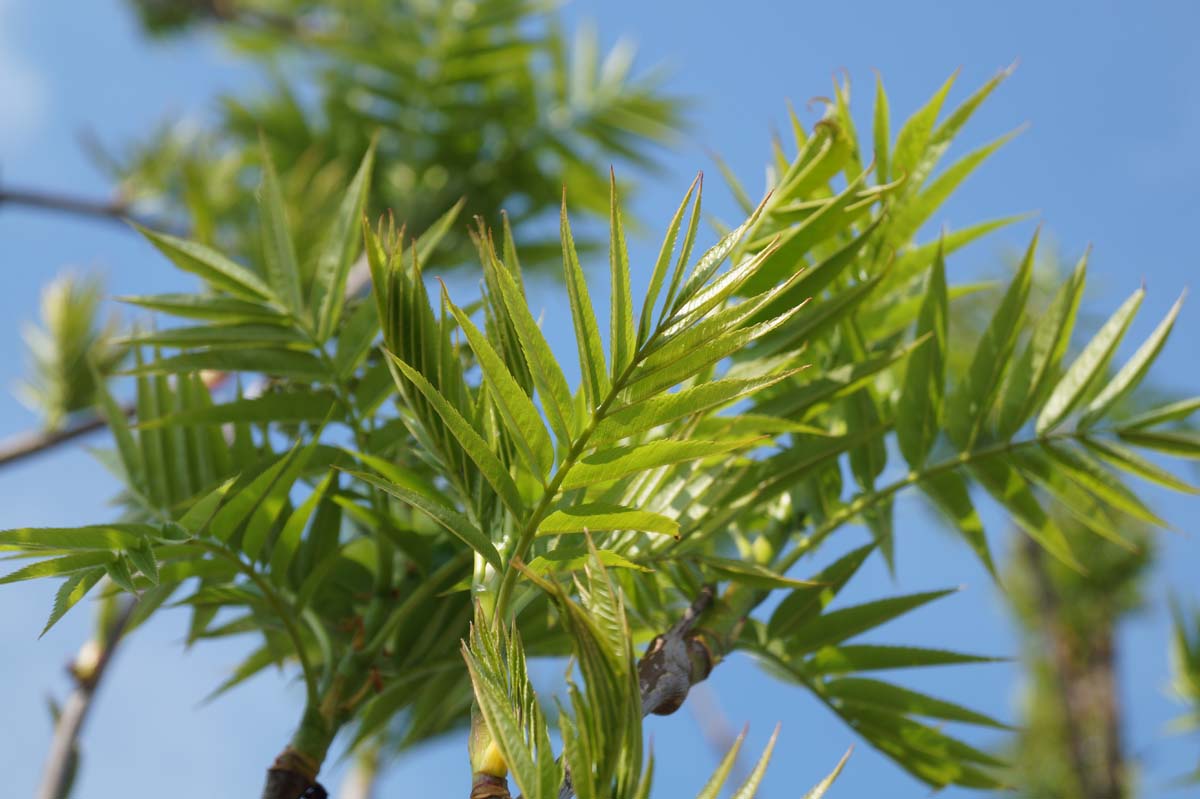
(23, 95)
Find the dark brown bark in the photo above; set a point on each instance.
(293, 776)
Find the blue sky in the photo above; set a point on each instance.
(1110, 160)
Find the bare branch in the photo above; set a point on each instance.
(118, 211)
(60, 763)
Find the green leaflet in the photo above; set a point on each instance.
(749, 788)
(279, 252)
(106, 537)
(853, 658)
(973, 398)
(468, 438)
(73, 589)
(918, 413)
(893, 698)
(301, 366)
(1070, 389)
(551, 385)
(619, 462)
(1171, 412)
(1010, 489)
(296, 406)
(818, 790)
(1134, 369)
(455, 523)
(214, 308)
(587, 334)
(602, 516)
(622, 339)
(629, 420)
(210, 265)
(516, 408)
(1028, 379)
(801, 605)
(751, 574)
(712, 788)
(836, 626)
(338, 251)
(950, 494)
(57, 567)
(659, 273)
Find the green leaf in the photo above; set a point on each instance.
(712, 788)
(752, 574)
(107, 537)
(1088, 474)
(118, 571)
(294, 406)
(801, 605)
(219, 335)
(543, 366)
(244, 499)
(602, 516)
(210, 265)
(455, 523)
(618, 462)
(338, 250)
(142, 557)
(659, 273)
(587, 334)
(1030, 376)
(913, 140)
(73, 589)
(1010, 489)
(570, 559)
(836, 626)
(283, 273)
(894, 699)
(57, 567)
(972, 400)
(1171, 412)
(1134, 369)
(118, 422)
(950, 495)
(918, 413)
(869, 657)
(749, 788)
(468, 438)
(818, 790)
(1129, 461)
(1180, 443)
(1070, 389)
(428, 241)
(882, 130)
(300, 366)
(288, 541)
(639, 417)
(514, 405)
(622, 341)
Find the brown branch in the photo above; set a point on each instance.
(118, 211)
(27, 444)
(88, 671)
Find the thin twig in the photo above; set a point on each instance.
(27, 444)
(117, 211)
(60, 763)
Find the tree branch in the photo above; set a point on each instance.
(117, 211)
(27, 444)
(88, 670)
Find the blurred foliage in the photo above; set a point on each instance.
(72, 343)
(1185, 662)
(487, 100)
